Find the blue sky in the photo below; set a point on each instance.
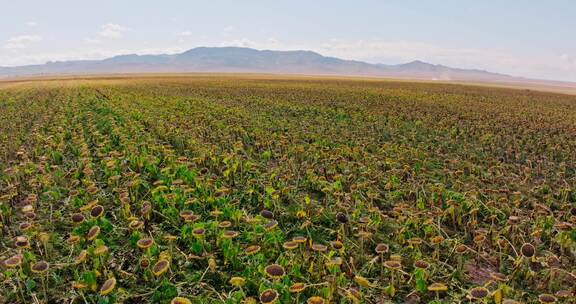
(529, 38)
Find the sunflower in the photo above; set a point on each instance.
(271, 225)
(547, 298)
(393, 264)
(108, 286)
(362, 281)
(337, 245)
(97, 211)
(274, 271)
(24, 226)
(93, 233)
(354, 295)
(478, 293)
(315, 300)
(77, 218)
(297, 287)
(528, 250)
(381, 248)
(81, 258)
(421, 264)
(250, 250)
(39, 267)
(136, 225)
(290, 245)
(13, 261)
(437, 287)
(22, 242)
(237, 281)
(230, 234)
(269, 296)
(319, 247)
(267, 214)
(180, 300)
(73, 239)
(199, 232)
(342, 218)
(299, 239)
(160, 267)
(225, 224)
(145, 243)
(100, 250)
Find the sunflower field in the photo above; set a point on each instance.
(269, 189)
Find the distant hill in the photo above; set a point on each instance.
(246, 60)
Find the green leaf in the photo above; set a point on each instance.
(30, 284)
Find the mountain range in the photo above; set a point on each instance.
(247, 60)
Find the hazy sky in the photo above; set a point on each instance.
(532, 38)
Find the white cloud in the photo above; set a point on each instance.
(92, 41)
(185, 34)
(112, 30)
(25, 38)
(20, 42)
(31, 23)
(229, 29)
(268, 43)
(569, 60)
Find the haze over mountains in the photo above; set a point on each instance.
(246, 60)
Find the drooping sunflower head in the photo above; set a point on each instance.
(237, 281)
(437, 287)
(547, 298)
(362, 281)
(230, 234)
(77, 218)
(100, 250)
(299, 239)
(225, 224)
(319, 247)
(145, 243)
(269, 296)
(22, 242)
(393, 264)
(73, 239)
(315, 300)
(381, 248)
(93, 233)
(13, 261)
(290, 245)
(478, 293)
(107, 286)
(528, 250)
(250, 250)
(199, 232)
(421, 264)
(97, 211)
(274, 271)
(271, 225)
(180, 300)
(25, 226)
(341, 218)
(337, 245)
(39, 267)
(160, 267)
(297, 287)
(267, 214)
(136, 225)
